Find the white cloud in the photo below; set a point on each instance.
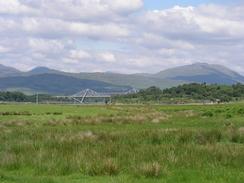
(64, 34)
(14, 7)
(92, 10)
(125, 6)
(7, 25)
(46, 46)
(98, 31)
(4, 49)
(106, 57)
(79, 55)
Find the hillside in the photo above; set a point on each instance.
(202, 72)
(8, 71)
(198, 73)
(133, 80)
(56, 84)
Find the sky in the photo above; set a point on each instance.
(162, 4)
(125, 36)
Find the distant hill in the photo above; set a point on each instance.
(202, 72)
(41, 70)
(45, 79)
(8, 71)
(133, 80)
(56, 84)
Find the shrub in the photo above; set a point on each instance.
(208, 114)
(57, 113)
(235, 137)
(15, 113)
(240, 111)
(228, 116)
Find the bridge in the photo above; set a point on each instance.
(88, 93)
(81, 96)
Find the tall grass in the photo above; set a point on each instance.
(129, 142)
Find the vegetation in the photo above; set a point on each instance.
(13, 97)
(182, 94)
(20, 97)
(132, 144)
(187, 93)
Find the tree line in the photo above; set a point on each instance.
(6, 96)
(187, 93)
(193, 92)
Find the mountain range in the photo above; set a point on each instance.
(45, 80)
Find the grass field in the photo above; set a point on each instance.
(122, 144)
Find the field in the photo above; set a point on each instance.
(122, 144)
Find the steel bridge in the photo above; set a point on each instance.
(81, 96)
(88, 93)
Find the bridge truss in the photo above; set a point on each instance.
(88, 93)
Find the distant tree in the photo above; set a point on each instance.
(192, 91)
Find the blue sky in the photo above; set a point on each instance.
(162, 4)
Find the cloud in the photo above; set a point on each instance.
(79, 55)
(106, 57)
(118, 35)
(4, 49)
(14, 7)
(193, 23)
(46, 46)
(87, 10)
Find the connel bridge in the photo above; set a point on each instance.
(89, 94)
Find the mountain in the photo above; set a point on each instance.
(133, 80)
(202, 72)
(41, 70)
(43, 79)
(56, 84)
(8, 71)
(199, 73)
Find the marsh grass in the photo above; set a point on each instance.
(142, 142)
(121, 118)
(151, 170)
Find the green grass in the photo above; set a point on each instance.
(117, 144)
